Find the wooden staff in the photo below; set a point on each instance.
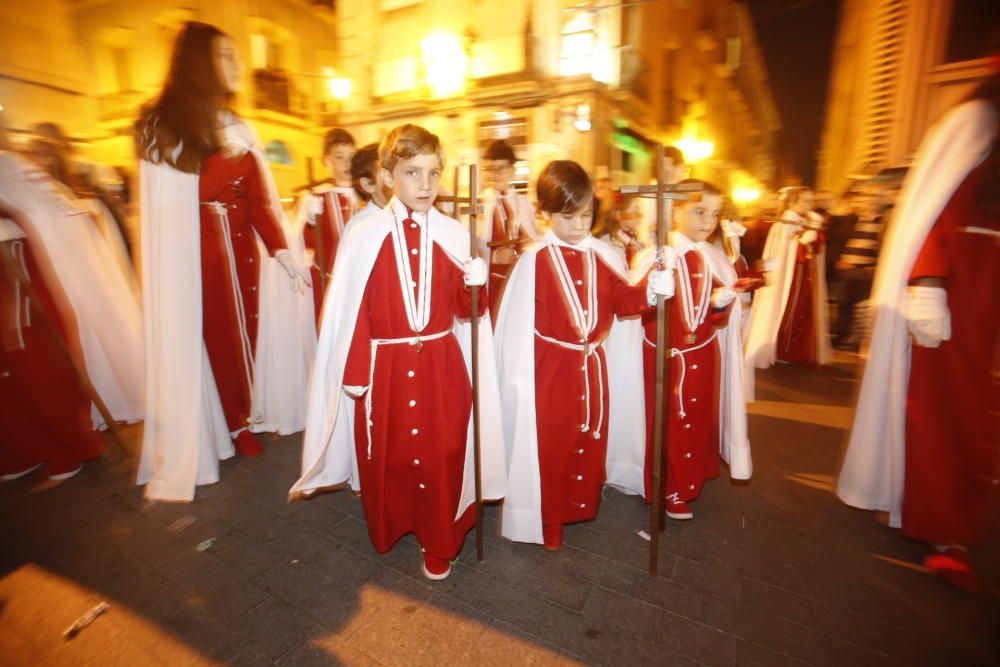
(477, 452)
(657, 521)
(14, 270)
(320, 258)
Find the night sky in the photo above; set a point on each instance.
(796, 37)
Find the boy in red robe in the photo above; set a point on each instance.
(393, 341)
(700, 309)
(557, 311)
(328, 207)
(510, 218)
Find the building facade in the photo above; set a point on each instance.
(597, 82)
(898, 66)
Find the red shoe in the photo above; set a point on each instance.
(552, 536)
(953, 566)
(434, 568)
(247, 444)
(678, 509)
(17, 475)
(60, 473)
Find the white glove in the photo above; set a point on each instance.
(314, 208)
(475, 272)
(808, 236)
(659, 283)
(927, 315)
(355, 392)
(722, 297)
(667, 258)
(733, 228)
(770, 264)
(300, 279)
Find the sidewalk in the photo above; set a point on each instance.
(770, 572)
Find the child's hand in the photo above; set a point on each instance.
(659, 283)
(300, 279)
(722, 297)
(355, 392)
(475, 272)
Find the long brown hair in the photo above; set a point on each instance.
(179, 127)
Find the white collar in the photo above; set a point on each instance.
(792, 218)
(682, 244)
(400, 210)
(550, 238)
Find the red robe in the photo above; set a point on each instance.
(44, 413)
(692, 445)
(797, 335)
(571, 462)
(952, 434)
(229, 302)
(505, 227)
(338, 208)
(421, 399)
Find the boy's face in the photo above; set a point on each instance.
(804, 203)
(698, 219)
(631, 218)
(499, 174)
(376, 189)
(415, 181)
(338, 161)
(572, 227)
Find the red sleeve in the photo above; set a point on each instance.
(934, 258)
(261, 216)
(719, 317)
(357, 366)
(628, 299)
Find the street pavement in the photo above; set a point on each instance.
(774, 571)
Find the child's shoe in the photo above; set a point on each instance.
(678, 509)
(434, 568)
(247, 444)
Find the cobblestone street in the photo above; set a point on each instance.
(771, 572)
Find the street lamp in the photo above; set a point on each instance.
(340, 87)
(445, 63)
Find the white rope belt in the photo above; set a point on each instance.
(375, 344)
(588, 350)
(675, 352)
(222, 215)
(22, 304)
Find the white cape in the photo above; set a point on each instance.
(521, 519)
(770, 301)
(286, 332)
(107, 314)
(328, 448)
(185, 433)
(872, 474)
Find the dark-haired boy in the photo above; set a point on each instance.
(701, 369)
(509, 218)
(325, 209)
(560, 419)
(366, 178)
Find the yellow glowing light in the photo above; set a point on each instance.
(695, 150)
(340, 87)
(743, 195)
(445, 63)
